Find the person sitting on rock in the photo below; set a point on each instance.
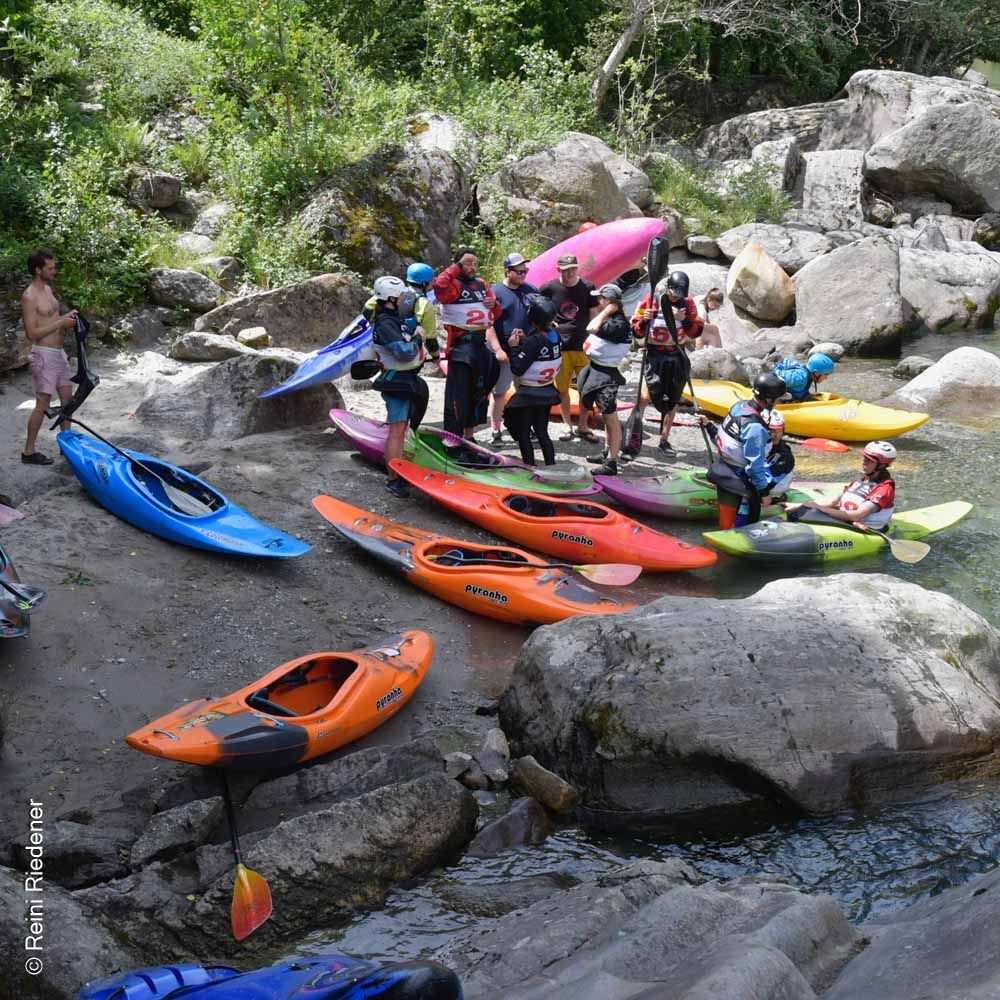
(400, 353)
(780, 460)
(803, 379)
(868, 502)
(743, 440)
(711, 336)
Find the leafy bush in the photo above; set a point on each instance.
(131, 142)
(193, 159)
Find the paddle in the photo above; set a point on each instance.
(657, 262)
(609, 574)
(28, 599)
(906, 550)
(184, 502)
(251, 893)
(819, 444)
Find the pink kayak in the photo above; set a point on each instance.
(603, 252)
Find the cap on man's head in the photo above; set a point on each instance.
(609, 291)
(513, 260)
(567, 261)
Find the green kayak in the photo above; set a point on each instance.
(801, 544)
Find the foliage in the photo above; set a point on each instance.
(192, 158)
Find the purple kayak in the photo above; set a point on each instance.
(427, 447)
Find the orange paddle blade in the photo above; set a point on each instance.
(824, 444)
(251, 902)
(610, 574)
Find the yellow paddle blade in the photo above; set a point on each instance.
(610, 574)
(908, 550)
(251, 902)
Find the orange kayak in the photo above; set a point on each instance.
(300, 710)
(577, 531)
(526, 592)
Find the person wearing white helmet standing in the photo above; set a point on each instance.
(868, 502)
(400, 352)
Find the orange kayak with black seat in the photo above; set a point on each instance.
(300, 710)
(578, 531)
(522, 591)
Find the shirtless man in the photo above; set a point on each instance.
(44, 327)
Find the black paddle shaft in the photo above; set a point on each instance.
(234, 835)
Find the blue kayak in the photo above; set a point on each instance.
(129, 491)
(328, 362)
(320, 977)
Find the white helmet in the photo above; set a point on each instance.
(773, 418)
(881, 451)
(389, 288)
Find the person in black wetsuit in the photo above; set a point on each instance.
(535, 357)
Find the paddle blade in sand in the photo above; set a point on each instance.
(610, 574)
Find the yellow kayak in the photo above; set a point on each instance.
(827, 415)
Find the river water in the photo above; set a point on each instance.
(873, 861)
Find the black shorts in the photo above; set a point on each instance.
(599, 385)
(666, 375)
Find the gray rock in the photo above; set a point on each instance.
(675, 223)
(966, 379)
(474, 778)
(176, 831)
(78, 854)
(791, 247)
(942, 947)
(388, 209)
(543, 786)
(757, 284)
(432, 130)
(950, 291)
(76, 947)
(631, 181)
(882, 101)
(880, 212)
(658, 930)
(715, 718)
(497, 742)
(196, 346)
(155, 189)
(737, 137)
(144, 327)
(928, 238)
(253, 336)
(702, 246)
(14, 346)
(832, 181)
(919, 207)
(830, 348)
(494, 899)
(221, 400)
(951, 226)
(911, 366)
(852, 296)
(952, 153)
(457, 763)
(901, 219)
(170, 286)
(212, 218)
(782, 162)
(526, 822)
(494, 765)
(304, 316)
(195, 244)
(987, 230)
(225, 271)
(717, 363)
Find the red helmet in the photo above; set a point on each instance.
(584, 226)
(880, 451)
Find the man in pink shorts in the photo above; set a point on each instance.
(44, 327)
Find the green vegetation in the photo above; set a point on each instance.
(261, 101)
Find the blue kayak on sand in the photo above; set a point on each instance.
(330, 362)
(321, 977)
(130, 492)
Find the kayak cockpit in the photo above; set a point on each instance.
(176, 478)
(307, 689)
(448, 555)
(533, 506)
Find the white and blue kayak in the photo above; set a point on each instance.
(330, 362)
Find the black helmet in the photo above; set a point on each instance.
(541, 311)
(767, 385)
(678, 284)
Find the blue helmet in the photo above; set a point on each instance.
(820, 364)
(419, 274)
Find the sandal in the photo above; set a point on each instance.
(589, 436)
(568, 436)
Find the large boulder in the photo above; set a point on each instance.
(212, 218)
(950, 291)
(155, 189)
(781, 161)
(949, 152)
(631, 181)
(882, 101)
(718, 363)
(694, 709)
(195, 346)
(964, 380)
(14, 346)
(184, 289)
(986, 230)
(758, 285)
(223, 400)
(389, 209)
(657, 930)
(736, 138)
(832, 181)
(430, 130)
(303, 316)
(555, 190)
(791, 246)
(852, 296)
(941, 947)
(951, 226)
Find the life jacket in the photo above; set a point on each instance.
(729, 439)
(389, 329)
(859, 491)
(609, 352)
(469, 311)
(544, 367)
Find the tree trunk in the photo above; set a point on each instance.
(634, 28)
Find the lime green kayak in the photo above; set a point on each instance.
(800, 544)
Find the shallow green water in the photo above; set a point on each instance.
(873, 861)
